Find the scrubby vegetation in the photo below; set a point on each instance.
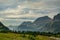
(27, 35)
(49, 34)
(14, 36)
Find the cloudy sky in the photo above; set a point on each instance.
(14, 12)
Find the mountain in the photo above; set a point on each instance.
(13, 28)
(57, 17)
(45, 18)
(3, 28)
(36, 25)
(41, 22)
(25, 26)
(56, 23)
(53, 26)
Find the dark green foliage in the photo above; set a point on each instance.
(3, 28)
(38, 33)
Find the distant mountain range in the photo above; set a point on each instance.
(41, 24)
(36, 25)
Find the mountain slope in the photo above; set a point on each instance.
(3, 28)
(56, 23)
(53, 26)
(36, 25)
(57, 17)
(41, 22)
(25, 26)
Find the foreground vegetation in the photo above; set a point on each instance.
(14, 36)
(27, 35)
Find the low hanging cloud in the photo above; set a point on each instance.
(27, 10)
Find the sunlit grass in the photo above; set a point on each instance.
(14, 36)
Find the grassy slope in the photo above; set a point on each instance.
(13, 36)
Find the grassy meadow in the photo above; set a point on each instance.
(14, 36)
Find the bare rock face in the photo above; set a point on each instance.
(53, 26)
(36, 25)
(57, 17)
(42, 21)
(56, 23)
(25, 26)
(42, 24)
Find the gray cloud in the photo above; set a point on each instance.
(13, 10)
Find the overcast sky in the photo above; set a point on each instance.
(13, 12)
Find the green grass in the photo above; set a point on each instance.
(14, 36)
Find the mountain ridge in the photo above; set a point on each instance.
(42, 24)
(3, 27)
